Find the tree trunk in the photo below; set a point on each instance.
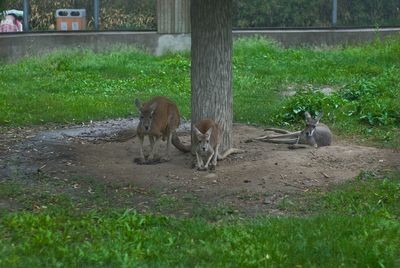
(211, 71)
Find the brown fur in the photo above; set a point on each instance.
(314, 134)
(206, 140)
(159, 118)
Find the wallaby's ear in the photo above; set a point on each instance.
(153, 107)
(209, 131)
(196, 131)
(138, 104)
(319, 116)
(307, 116)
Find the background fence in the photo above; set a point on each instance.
(141, 14)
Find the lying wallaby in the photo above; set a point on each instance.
(314, 134)
(207, 141)
(159, 118)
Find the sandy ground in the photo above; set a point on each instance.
(252, 182)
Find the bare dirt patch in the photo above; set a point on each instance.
(253, 182)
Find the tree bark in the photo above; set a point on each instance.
(211, 71)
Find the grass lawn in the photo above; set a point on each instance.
(76, 86)
(355, 225)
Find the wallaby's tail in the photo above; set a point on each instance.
(280, 141)
(228, 152)
(178, 144)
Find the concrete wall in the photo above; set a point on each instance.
(15, 46)
(322, 37)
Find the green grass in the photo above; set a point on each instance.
(354, 225)
(365, 79)
(75, 86)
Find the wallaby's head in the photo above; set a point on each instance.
(311, 123)
(146, 114)
(203, 139)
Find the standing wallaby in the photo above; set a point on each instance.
(314, 134)
(206, 140)
(159, 118)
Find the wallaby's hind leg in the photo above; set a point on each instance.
(288, 135)
(277, 130)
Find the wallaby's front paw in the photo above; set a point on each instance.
(165, 159)
(202, 168)
(154, 159)
(139, 161)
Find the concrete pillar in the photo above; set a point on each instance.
(173, 16)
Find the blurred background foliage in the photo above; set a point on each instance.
(315, 13)
(141, 14)
(114, 15)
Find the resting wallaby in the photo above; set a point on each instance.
(206, 139)
(159, 118)
(314, 134)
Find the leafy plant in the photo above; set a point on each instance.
(311, 100)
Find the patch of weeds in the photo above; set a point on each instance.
(285, 203)
(307, 99)
(367, 194)
(215, 213)
(10, 188)
(40, 190)
(31, 196)
(365, 107)
(167, 203)
(249, 196)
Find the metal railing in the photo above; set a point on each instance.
(96, 15)
(122, 15)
